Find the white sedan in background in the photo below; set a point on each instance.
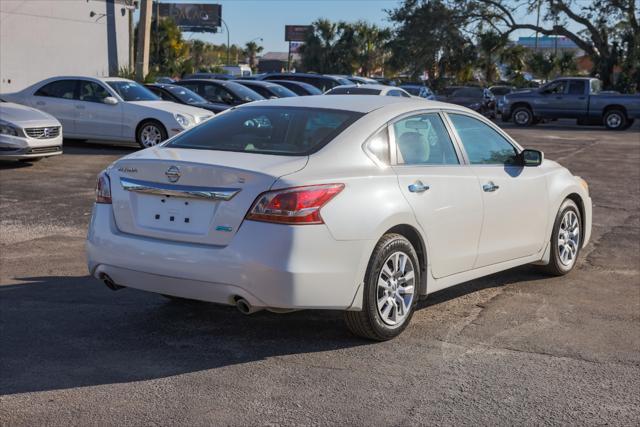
(28, 134)
(355, 203)
(369, 89)
(109, 109)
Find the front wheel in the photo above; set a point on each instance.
(523, 116)
(150, 133)
(390, 289)
(566, 239)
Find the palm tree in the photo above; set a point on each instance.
(514, 58)
(251, 50)
(490, 44)
(566, 63)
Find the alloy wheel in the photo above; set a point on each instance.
(396, 286)
(569, 238)
(150, 135)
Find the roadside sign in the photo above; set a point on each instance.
(296, 33)
(193, 17)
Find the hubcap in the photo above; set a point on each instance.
(150, 135)
(569, 238)
(396, 284)
(614, 120)
(522, 117)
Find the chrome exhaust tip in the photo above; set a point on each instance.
(245, 306)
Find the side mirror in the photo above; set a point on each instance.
(110, 100)
(530, 157)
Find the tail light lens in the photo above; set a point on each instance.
(103, 188)
(296, 205)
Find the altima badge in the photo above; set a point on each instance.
(173, 174)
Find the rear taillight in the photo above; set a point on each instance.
(103, 188)
(296, 205)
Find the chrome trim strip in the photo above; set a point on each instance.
(183, 191)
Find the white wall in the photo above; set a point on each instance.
(45, 38)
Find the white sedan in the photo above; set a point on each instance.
(109, 109)
(355, 203)
(369, 89)
(28, 134)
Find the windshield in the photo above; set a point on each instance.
(243, 92)
(268, 130)
(186, 95)
(356, 90)
(281, 92)
(132, 91)
(412, 90)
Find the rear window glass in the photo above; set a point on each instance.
(353, 91)
(268, 130)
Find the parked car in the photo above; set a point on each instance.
(355, 203)
(28, 134)
(109, 109)
(499, 92)
(221, 91)
(322, 82)
(267, 89)
(358, 79)
(478, 99)
(183, 95)
(215, 76)
(166, 80)
(385, 81)
(419, 90)
(368, 90)
(572, 98)
(299, 88)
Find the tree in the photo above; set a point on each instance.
(168, 51)
(514, 58)
(428, 36)
(566, 64)
(251, 51)
(541, 64)
(600, 35)
(490, 44)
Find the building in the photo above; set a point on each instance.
(276, 62)
(550, 44)
(40, 39)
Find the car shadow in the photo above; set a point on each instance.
(14, 164)
(75, 147)
(67, 332)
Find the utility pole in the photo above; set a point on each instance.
(144, 34)
(132, 59)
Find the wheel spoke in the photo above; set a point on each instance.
(407, 290)
(395, 288)
(383, 284)
(408, 277)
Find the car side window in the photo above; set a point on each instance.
(92, 92)
(423, 140)
(557, 88)
(576, 87)
(65, 89)
(193, 86)
(484, 145)
(216, 93)
(378, 147)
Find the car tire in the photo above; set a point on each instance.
(387, 305)
(150, 133)
(629, 123)
(523, 116)
(615, 119)
(566, 239)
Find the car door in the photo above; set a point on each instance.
(514, 197)
(550, 102)
(442, 191)
(58, 98)
(95, 118)
(214, 92)
(575, 100)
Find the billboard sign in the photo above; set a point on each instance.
(296, 33)
(193, 17)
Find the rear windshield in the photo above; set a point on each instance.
(269, 130)
(353, 91)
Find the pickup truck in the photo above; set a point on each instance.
(572, 98)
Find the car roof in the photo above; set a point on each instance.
(264, 83)
(367, 86)
(360, 104)
(313, 75)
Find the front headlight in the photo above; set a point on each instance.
(6, 129)
(184, 120)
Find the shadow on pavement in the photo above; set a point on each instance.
(67, 332)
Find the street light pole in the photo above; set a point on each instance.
(228, 44)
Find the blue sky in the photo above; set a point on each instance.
(251, 19)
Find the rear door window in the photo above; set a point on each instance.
(576, 87)
(65, 89)
(268, 130)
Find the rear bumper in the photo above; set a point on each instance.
(270, 265)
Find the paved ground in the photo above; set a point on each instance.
(513, 348)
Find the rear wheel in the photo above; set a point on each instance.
(566, 239)
(523, 116)
(615, 120)
(390, 287)
(150, 133)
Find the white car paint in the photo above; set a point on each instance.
(465, 232)
(384, 90)
(105, 121)
(27, 133)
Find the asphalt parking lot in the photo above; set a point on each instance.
(517, 347)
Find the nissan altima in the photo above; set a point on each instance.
(357, 203)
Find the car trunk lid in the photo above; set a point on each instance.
(196, 196)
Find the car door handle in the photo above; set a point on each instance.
(490, 187)
(418, 187)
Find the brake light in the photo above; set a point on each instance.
(296, 205)
(103, 188)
